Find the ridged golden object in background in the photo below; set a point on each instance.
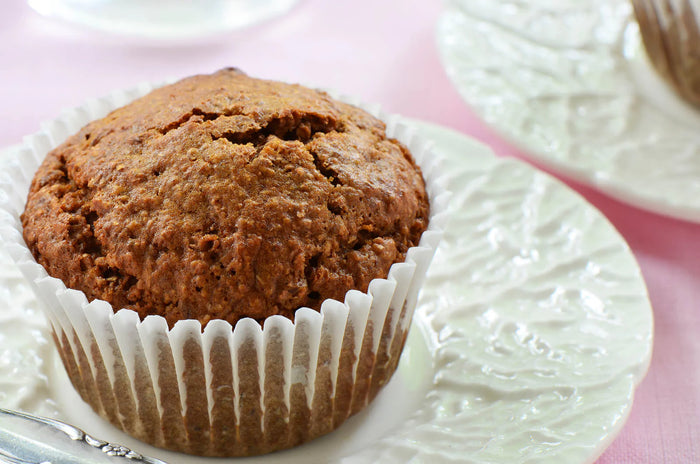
(671, 36)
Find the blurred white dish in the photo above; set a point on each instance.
(569, 82)
(531, 335)
(174, 20)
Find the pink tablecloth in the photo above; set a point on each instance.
(382, 51)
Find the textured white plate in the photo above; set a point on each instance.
(568, 81)
(531, 334)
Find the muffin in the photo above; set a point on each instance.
(223, 197)
(229, 265)
(671, 37)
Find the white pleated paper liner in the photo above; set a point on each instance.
(670, 31)
(224, 391)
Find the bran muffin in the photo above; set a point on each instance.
(214, 208)
(223, 197)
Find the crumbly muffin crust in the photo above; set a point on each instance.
(223, 196)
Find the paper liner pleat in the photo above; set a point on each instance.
(277, 343)
(223, 415)
(158, 350)
(98, 315)
(147, 427)
(247, 359)
(188, 355)
(225, 390)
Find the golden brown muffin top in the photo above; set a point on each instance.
(224, 196)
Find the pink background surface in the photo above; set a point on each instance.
(384, 52)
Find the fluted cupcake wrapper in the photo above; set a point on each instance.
(670, 31)
(225, 390)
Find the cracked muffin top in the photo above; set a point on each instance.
(223, 196)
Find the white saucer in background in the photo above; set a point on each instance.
(568, 82)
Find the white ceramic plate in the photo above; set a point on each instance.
(532, 333)
(568, 81)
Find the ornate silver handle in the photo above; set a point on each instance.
(29, 439)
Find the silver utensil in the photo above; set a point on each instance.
(29, 439)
